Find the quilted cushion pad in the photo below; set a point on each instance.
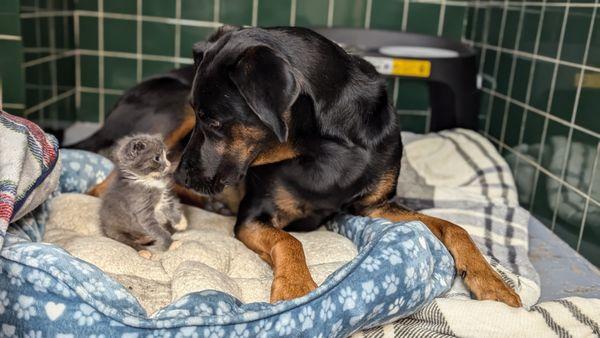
(206, 256)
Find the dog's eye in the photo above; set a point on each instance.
(213, 124)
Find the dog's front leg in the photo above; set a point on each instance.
(291, 277)
(480, 277)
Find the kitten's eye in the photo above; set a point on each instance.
(157, 158)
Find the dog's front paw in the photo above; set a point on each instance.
(487, 285)
(182, 225)
(290, 287)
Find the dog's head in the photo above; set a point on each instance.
(241, 95)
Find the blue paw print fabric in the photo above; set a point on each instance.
(44, 291)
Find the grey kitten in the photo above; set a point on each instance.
(138, 208)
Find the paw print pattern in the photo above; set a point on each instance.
(14, 273)
(163, 333)
(203, 309)
(285, 325)
(393, 256)
(306, 317)
(327, 309)
(371, 264)
(415, 297)
(411, 248)
(263, 328)
(336, 328)
(348, 298)
(410, 277)
(86, 315)
(369, 291)
(240, 331)
(188, 331)
(213, 332)
(395, 307)
(95, 287)
(25, 307)
(33, 334)
(8, 331)
(4, 302)
(41, 282)
(223, 309)
(390, 284)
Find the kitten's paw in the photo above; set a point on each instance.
(182, 225)
(175, 245)
(145, 254)
(160, 245)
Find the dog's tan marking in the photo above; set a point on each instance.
(190, 197)
(244, 140)
(480, 277)
(280, 152)
(184, 128)
(289, 208)
(291, 277)
(231, 196)
(287, 117)
(99, 189)
(286, 202)
(220, 147)
(382, 190)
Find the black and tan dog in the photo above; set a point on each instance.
(307, 131)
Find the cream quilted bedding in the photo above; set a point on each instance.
(206, 257)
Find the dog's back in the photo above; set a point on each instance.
(157, 105)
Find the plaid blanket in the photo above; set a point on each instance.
(27, 157)
(458, 175)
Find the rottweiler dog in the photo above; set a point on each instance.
(305, 131)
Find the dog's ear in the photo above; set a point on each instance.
(222, 31)
(268, 85)
(199, 48)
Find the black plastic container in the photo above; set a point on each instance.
(449, 68)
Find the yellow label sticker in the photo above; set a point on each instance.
(590, 80)
(400, 67)
(410, 67)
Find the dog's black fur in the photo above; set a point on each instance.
(154, 106)
(341, 123)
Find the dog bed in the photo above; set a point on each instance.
(398, 269)
(205, 256)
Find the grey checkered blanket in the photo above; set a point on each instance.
(458, 175)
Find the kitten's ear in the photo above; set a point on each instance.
(138, 145)
(134, 148)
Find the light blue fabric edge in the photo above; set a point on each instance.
(329, 285)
